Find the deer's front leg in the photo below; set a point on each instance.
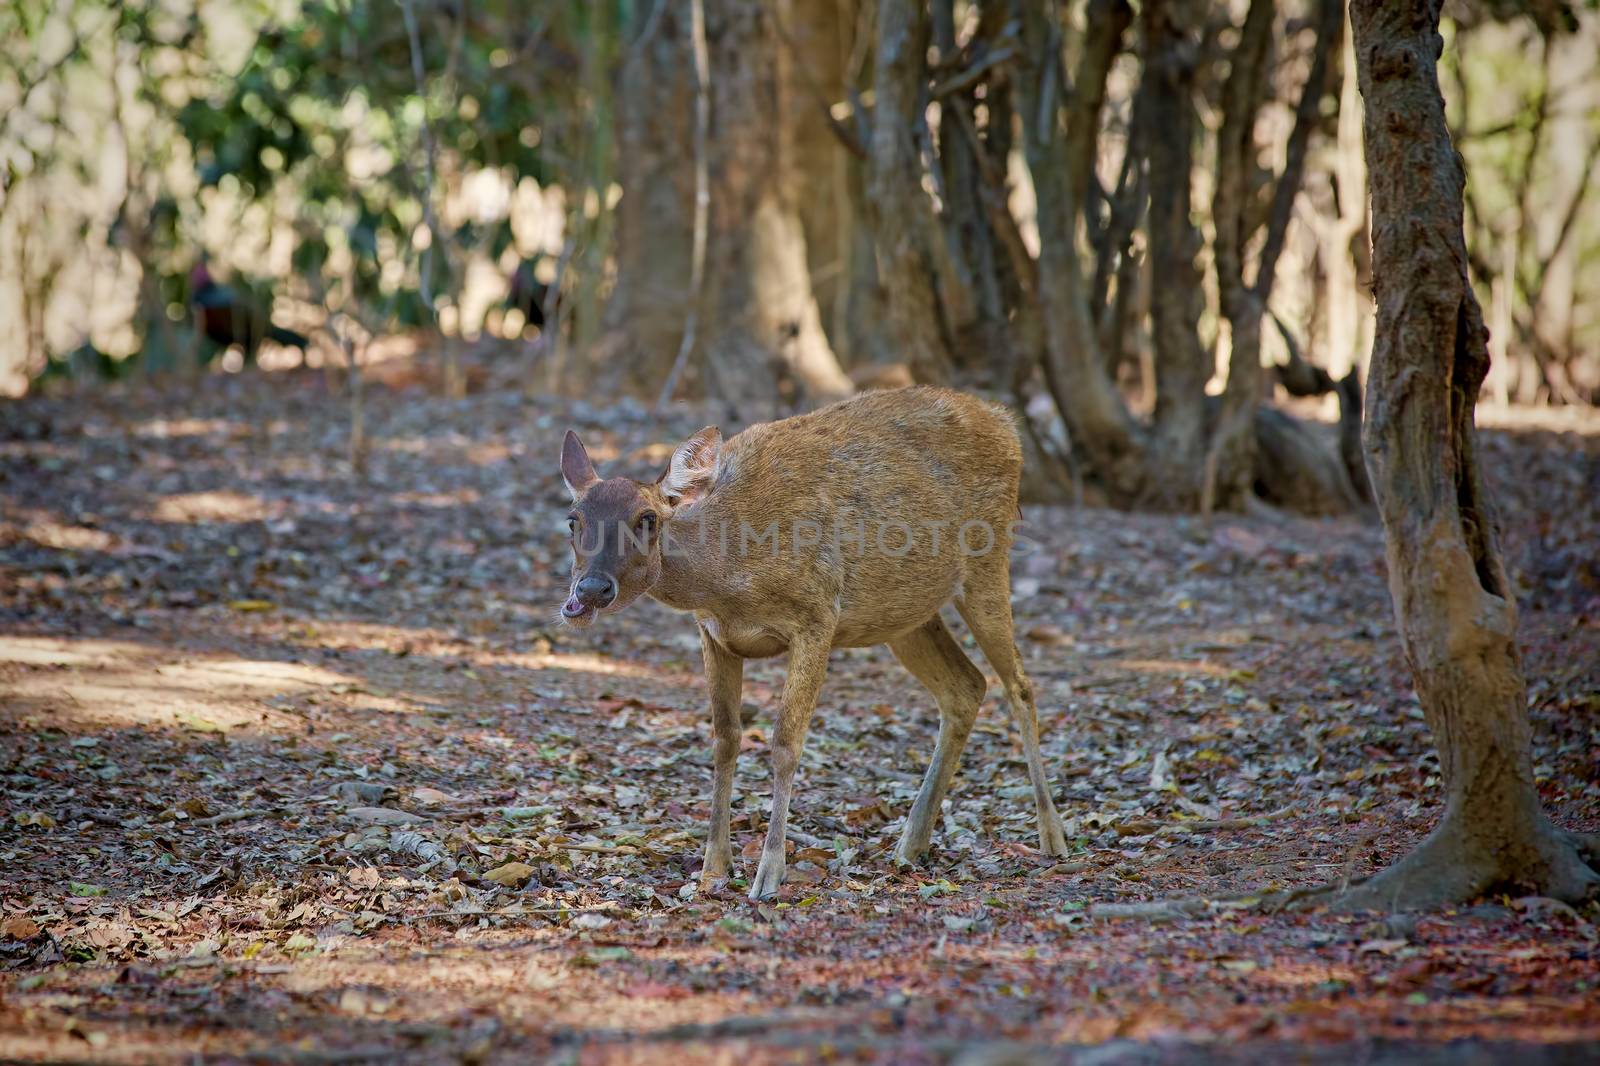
(808, 665)
(725, 678)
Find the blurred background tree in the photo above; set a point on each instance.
(1086, 209)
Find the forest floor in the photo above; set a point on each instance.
(296, 766)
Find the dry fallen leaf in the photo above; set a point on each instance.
(511, 875)
(431, 686)
(384, 816)
(364, 877)
(17, 927)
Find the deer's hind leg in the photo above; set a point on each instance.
(934, 658)
(985, 605)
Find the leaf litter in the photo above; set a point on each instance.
(295, 764)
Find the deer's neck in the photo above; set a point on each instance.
(692, 563)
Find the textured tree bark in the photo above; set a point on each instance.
(1228, 475)
(763, 329)
(761, 332)
(1349, 317)
(644, 318)
(1455, 610)
(1181, 364)
(1231, 457)
(1097, 418)
(899, 212)
(983, 351)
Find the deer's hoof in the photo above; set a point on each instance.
(1052, 841)
(769, 875)
(716, 868)
(910, 854)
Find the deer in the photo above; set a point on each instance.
(846, 527)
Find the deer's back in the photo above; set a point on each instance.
(900, 489)
(885, 451)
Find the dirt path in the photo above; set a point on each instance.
(270, 735)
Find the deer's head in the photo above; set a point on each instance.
(618, 525)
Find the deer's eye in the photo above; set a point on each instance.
(572, 526)
(646, 524)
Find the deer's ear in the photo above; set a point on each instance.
(688, 476)
(576, 469)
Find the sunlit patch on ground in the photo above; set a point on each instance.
(68, 538)
(307, 772)
(47, 651)
(1167, 667)
(119, 684)
(217, 505)
(437, 499)
(172, 428)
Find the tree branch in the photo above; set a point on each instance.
(1074, 370)
(974, 73)
(702, 195)
(1181, 363)
(430, 154)
(844, 134)
(1308, 113)
(1241, 99)
(1107, 21)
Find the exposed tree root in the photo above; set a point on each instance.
(1202, 825)
(1274, 901)
(1560, 867)
(1588, 845)
(1451, 867)
(1298, 469)
(228, 817)
(524, 912)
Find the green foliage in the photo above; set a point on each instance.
(312, 114)
(326, 113)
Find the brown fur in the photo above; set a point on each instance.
(891, 461)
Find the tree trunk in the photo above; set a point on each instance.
(975, 284)
(983, 350)
(1231, 461)
(819, 37)
(1455, 610)
(1556, 291)
(1096, 416)
(900, 214)
(764, 333)
(1349, 318)
(644, 318)
(1230, 457)
(761, 334)
(1181, 363)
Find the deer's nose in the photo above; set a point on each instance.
(597, 590)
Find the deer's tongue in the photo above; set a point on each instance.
(575, 608)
